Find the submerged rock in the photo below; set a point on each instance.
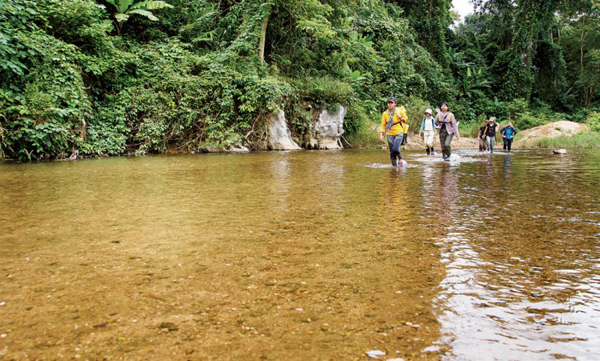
(375, 354)
(280, 137)
(327, 132)
(169, 326)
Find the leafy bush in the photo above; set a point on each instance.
(528, 120)
(593, 121)
(415, 108)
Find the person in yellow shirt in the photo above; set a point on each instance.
(394, 127)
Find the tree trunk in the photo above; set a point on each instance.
(582, 33)
(263, 38)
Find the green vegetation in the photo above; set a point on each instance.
(579, 140)
(110, 77)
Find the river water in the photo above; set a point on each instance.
(302, 256)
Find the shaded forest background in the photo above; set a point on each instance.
(109, 77)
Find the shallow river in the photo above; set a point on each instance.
(302, 256)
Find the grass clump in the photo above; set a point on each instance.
(366, 137)
(584, 140)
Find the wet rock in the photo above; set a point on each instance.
(170, 326)
(239, 149)
(212, 149)
(327, 132)
(115, 241)
(560, 151)
(280, 136)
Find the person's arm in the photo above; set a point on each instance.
(422, 126)
(503, 132)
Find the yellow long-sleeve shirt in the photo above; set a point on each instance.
(399, 126)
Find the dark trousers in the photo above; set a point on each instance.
(505, 143)
(394, 142)
(482, 144)
(508, 143)
(445, 140)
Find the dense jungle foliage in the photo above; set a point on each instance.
(109, 77)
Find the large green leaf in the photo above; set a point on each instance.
(142, 12)
(151, 5)
(121, 5)
(121, 18)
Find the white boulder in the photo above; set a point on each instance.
(280, 137)
(327, 132)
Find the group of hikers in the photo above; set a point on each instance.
(487, 135)
(394, 128)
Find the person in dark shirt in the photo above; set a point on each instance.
(481, 136)
(490, 134)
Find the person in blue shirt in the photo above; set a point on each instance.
(508, 134)
(503, 139)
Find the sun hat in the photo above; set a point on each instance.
(492, 119)
(428, 110)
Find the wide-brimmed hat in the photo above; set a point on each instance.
(428, 111)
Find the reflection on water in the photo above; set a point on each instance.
(306, 255)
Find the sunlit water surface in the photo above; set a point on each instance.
(302, 255)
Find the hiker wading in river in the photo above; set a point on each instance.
(428, 130)
(490, 134)
(394, 127)
(445, 122)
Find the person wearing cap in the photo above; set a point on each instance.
(446, 124)
(508, 135)
(490, 134)
(428, 129)
(394, 127)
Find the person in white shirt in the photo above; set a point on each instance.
(428, 130)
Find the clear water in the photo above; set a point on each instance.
(302, 255)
